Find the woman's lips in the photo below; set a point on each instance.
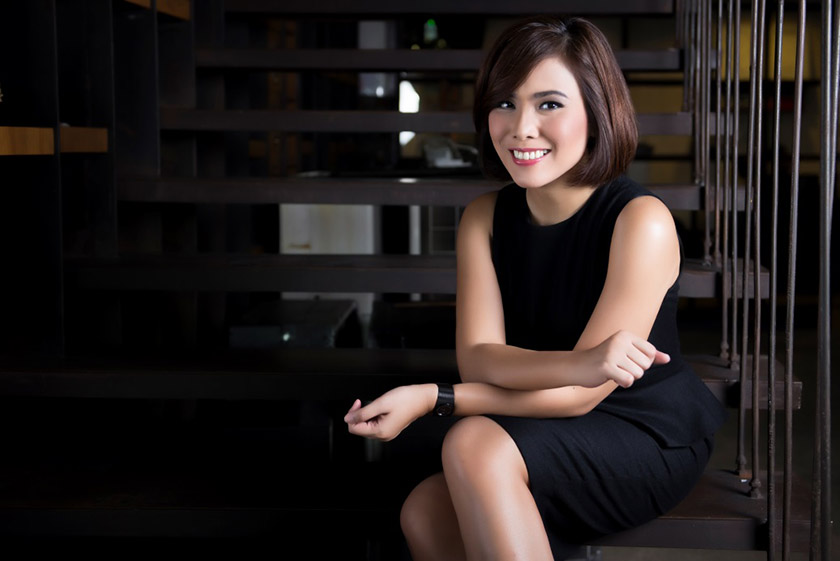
(528, 157)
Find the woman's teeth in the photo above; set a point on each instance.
(529, 155)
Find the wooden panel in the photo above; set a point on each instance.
(362, 190)
(307, 273)
(448, 7)
(383, 59)
(83, 139)
(318, 273)
(368, 121)
(340, 499)
(176, 8)
(290, 374)
(26, 141)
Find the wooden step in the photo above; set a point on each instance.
(365, 60)
(429, 274)
(438, 191)
(26, 141)
(724, 381)
(176, 8)
(320, 374)
(304, 501)
(488, 7)
(172, 118)
(84, 140)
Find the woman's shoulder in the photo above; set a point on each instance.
(480, 211)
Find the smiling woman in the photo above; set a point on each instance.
(587, 71)
(580, 416)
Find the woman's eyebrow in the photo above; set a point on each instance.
(548, 93)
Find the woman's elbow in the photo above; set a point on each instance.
(469, 368)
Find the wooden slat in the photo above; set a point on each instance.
(384, 59)
(311, 273)
(83, 140)
(338, 500)
(329, 190)
(175, 8)
(723, 381)
(26, 141)
(367, 121)
(702, 280)
(286, 374)
(494, 7)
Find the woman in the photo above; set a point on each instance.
(580, 418)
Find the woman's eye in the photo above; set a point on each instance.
(505, 105)
(551, 105)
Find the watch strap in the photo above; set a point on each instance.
(445, 404)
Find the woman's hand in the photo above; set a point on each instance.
(388, 415)
(622, 358)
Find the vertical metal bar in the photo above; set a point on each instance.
(758, 41)
(718, 126)
(791, 288)
(684, 25)
(726, 148)
(741, 459)
(835, 100)
(821, 518)
(695, 83)
(771, 351)
(748, 211)
(706, 31)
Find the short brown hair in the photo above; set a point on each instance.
(612, 129)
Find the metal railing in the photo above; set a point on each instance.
(710, 33)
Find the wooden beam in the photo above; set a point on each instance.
(172, 118)
(176, 8)
(493, 7)
(389, 59)
(26, 141)
(83, 140)
(312, 273)
(440, 191)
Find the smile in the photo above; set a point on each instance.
(528, 156)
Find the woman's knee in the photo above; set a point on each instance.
(478, 446)
(429, 523)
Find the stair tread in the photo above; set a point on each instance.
(718, 513)
(175, 118)
(406, 190)
(282, 374)
(495, 7)
(431, 274)
(396, 59)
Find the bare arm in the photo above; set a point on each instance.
(643, 264)
(502, 379)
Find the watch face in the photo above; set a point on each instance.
(444, 410)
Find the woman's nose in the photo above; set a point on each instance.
(525, 125)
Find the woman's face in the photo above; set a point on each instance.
(540, 132)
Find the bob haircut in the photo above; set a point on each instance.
(611, 120)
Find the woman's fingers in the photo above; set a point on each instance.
(634, 356)
(661, 358)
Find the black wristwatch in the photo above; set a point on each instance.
(445, 404)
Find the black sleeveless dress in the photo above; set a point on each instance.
(642, 449)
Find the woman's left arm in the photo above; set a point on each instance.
(643, 264)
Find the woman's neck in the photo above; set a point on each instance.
(553, 204)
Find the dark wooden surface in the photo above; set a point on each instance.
(431, 274)
(718, 514)
(366, 121)
(387, 59)
(494, 7)
(440, 191)
(285, 374)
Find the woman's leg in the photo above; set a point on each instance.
(488, 485)
(429, 524)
